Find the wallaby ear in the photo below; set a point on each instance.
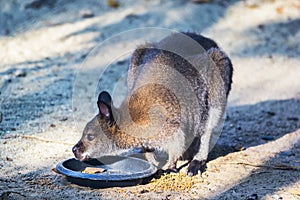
(224, 64)
(104, 105)
(218, 56)
(104, 97)
(138, 55)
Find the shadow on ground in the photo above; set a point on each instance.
(274, 38)
(254, 125)
(29, 93)
(267, 181)
(247, 126)
(22, 16)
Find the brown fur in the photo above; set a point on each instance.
(176, 99)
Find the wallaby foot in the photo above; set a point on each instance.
(195, 167)
(172, 167)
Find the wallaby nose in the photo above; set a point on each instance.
(75, 149)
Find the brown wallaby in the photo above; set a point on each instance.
(177, 94)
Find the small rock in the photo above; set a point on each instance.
(63, 119)
(144, 191)
(83, 56)
(271, 113)
(113, 3)
(37, 4)
(252, 4)
(9, 159)
(253, 197)
(267, 137)
(86, 13)
(121, 62)
(201, 1)
(131, 17)
(239, 147)
(261, 26)
(293, 119)
(287, 153)
(52, 125)
(20, 73)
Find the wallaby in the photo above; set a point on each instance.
(177, 95)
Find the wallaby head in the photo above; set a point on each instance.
(138, 123)
(96, 140)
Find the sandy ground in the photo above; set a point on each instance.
(49, 80)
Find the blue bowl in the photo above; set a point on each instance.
(120, 171)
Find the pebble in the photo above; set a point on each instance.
(261, 26)
(287, 153)
(252, 4)
(253, 197)
(86, 13)
(113, 3)
(276, 197)
(201, 1)
(239, 148)
(9, 159)
(121, 62)
(271, 113)
(20, 73)
(267, 137)
(293, 119)
(144, 191)
(63, 119)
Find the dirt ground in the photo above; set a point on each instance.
(49, 79)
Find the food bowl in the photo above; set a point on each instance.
(119, 171)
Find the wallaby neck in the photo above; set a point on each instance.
(123, 140)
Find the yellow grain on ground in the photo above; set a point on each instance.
(174, 182)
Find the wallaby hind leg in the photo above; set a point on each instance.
(215, 116)
(192, 150)
(199, 161)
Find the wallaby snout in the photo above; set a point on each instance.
(78, 150)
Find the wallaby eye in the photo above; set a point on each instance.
(90, 137)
